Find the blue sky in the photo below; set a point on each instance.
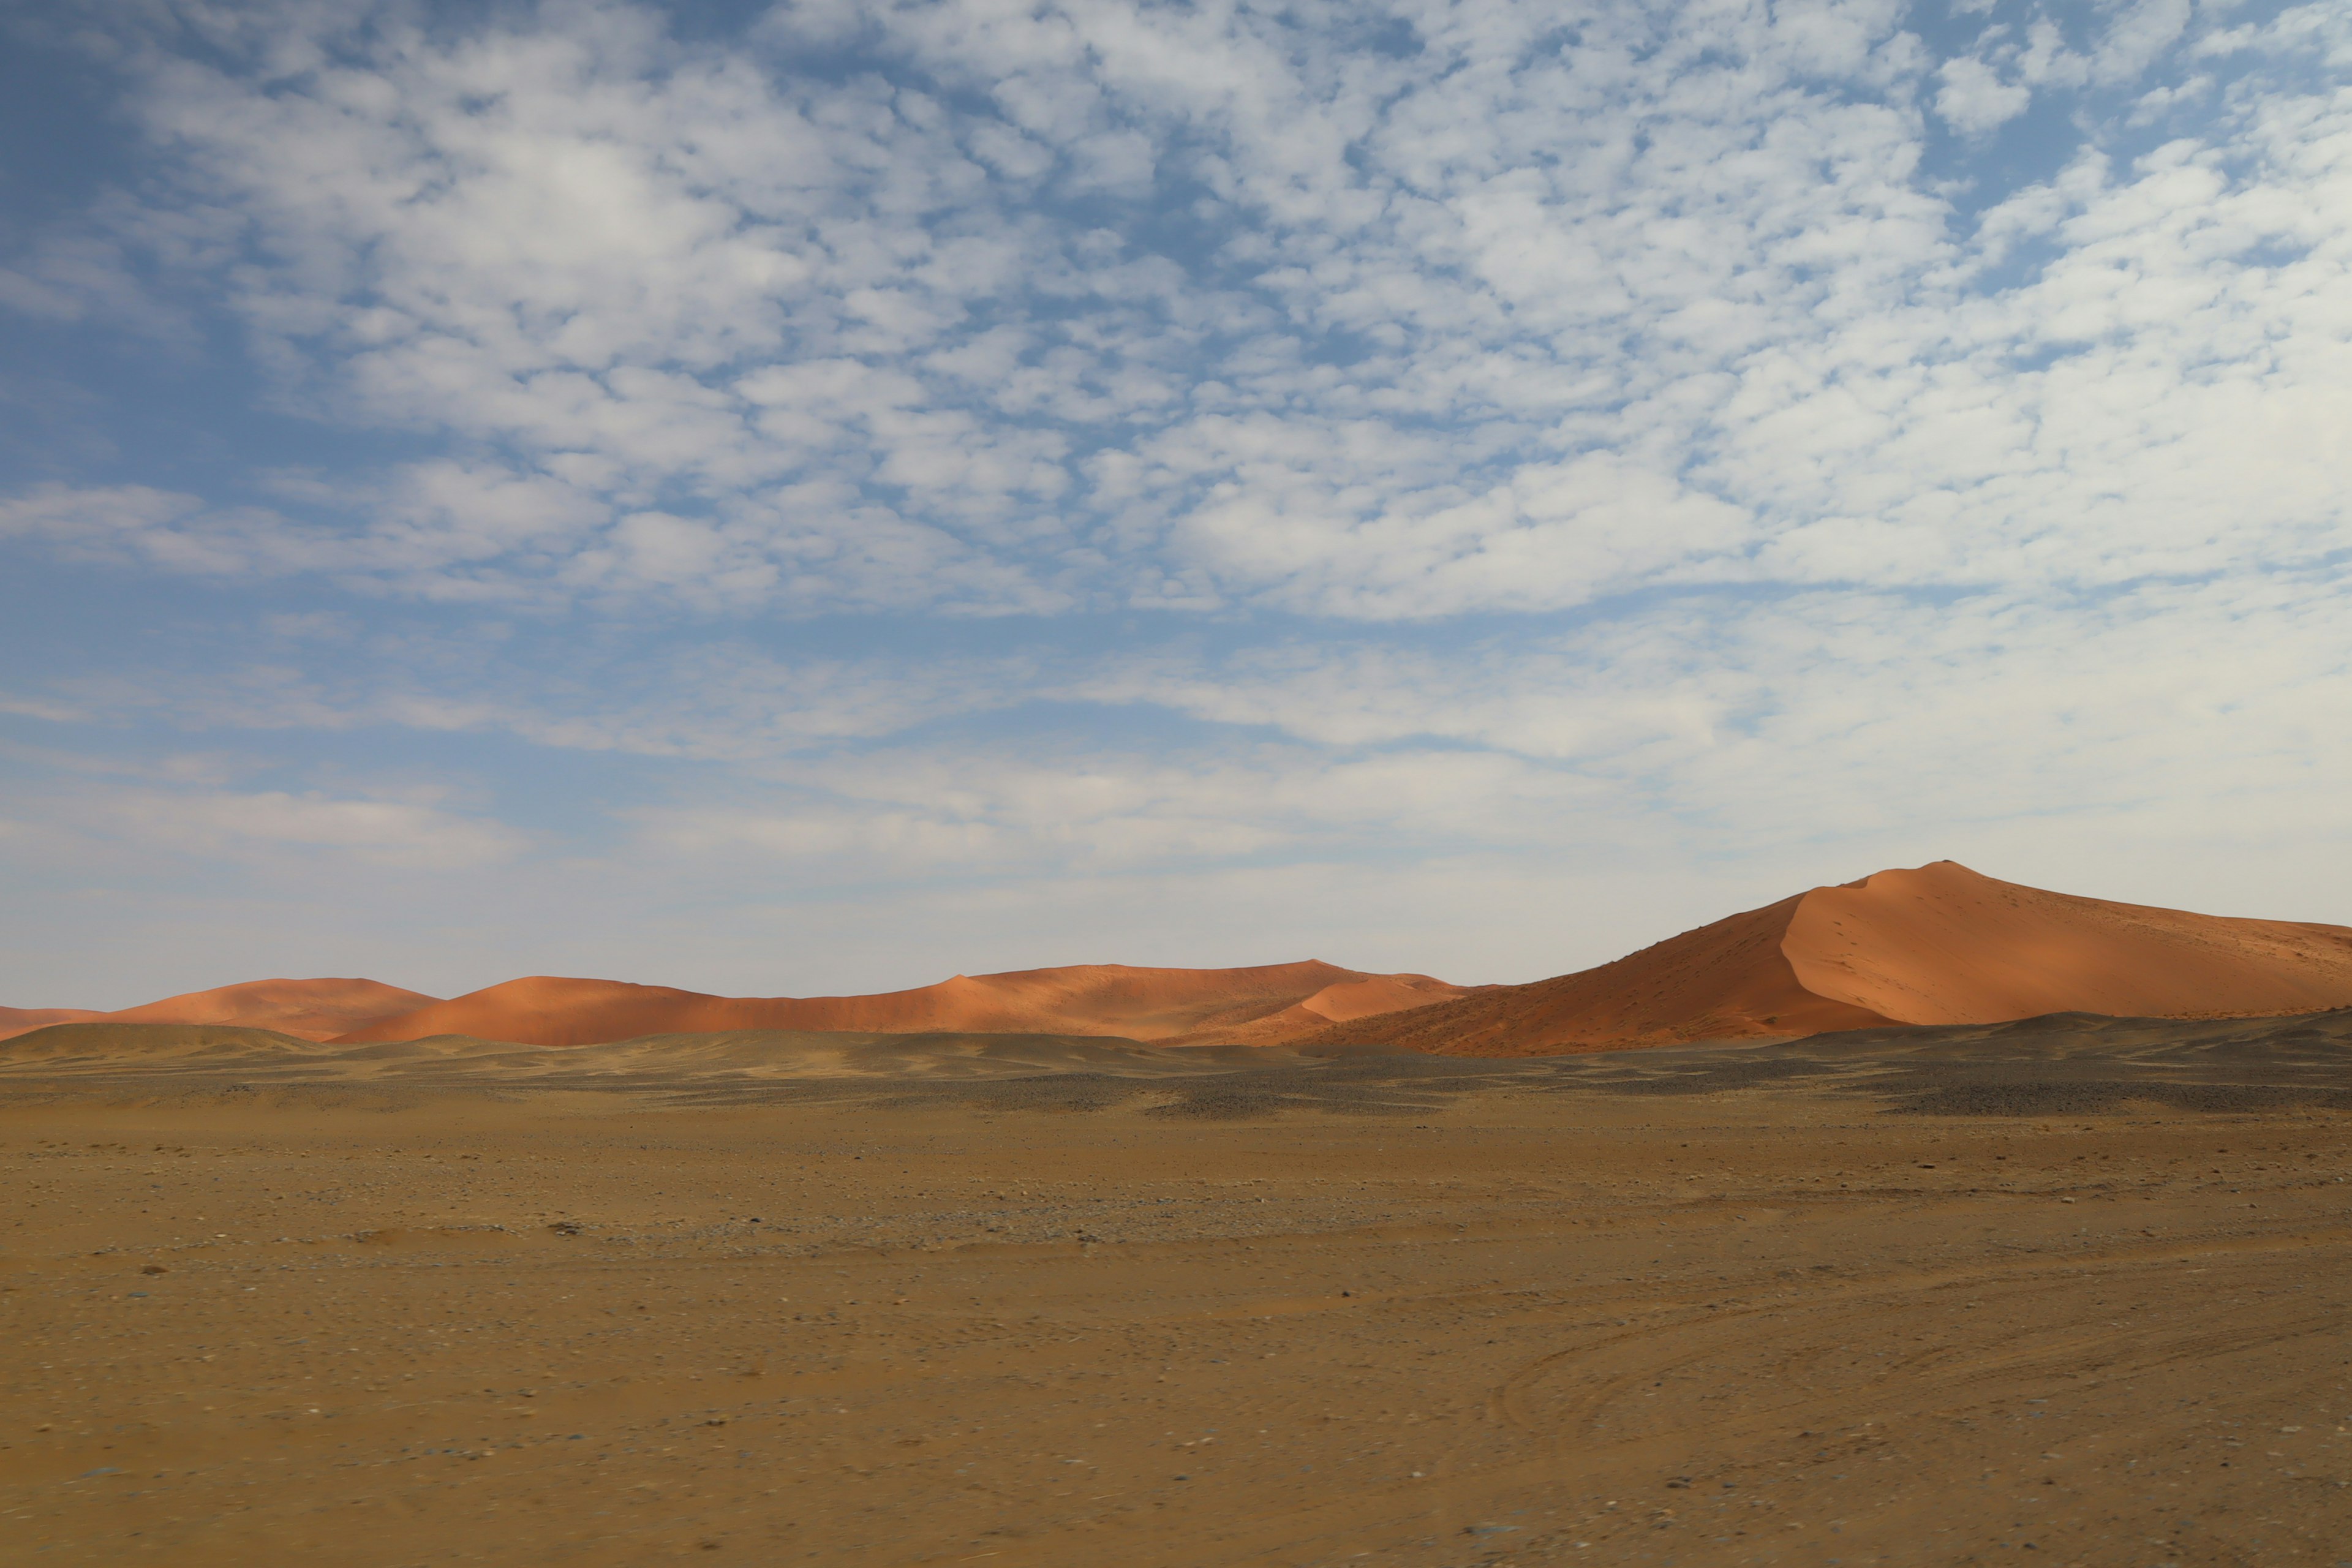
(813, 498)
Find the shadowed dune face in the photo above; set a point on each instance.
(307, 1009)
(1940, 944)
(1202, 1006)
(1727, 981)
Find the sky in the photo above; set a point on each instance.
(815, 498)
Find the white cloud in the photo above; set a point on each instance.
(902, 813)
(1974, 98)
(1437, 430)
(161, 529)
(242, 827)
(1671, 303)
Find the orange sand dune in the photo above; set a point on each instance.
(1343, 1002)
(15, 1021)
(1191, 1005)
(309, 1009)
(1936, 946)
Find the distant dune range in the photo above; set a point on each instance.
(1263, 1005)
(306, 1009)
(1937, 945)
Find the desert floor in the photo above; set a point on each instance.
(1836, 1306)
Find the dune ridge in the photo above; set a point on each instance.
(1260, 1005)
(307, 1009)
(1936, 944)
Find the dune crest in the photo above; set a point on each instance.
(1942, 944)
(1194, 1007)
(306, 1009)
(1936, 944)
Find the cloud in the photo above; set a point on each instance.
(1974, 98)
(161, 529)
(899, 814)
(35, 708)
(235, 826)
(1495, 322)
(955, 447)
(716, 702)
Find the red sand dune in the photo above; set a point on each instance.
(15, 1021)
(1936, 946)
(1192, 1006)
(309, 1009)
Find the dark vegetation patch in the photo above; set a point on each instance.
(1052, 1091)
(1263, 1094)
(2047, 1097)
(1700, 1075)
(1225, 1102)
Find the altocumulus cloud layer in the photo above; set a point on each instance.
(830, 495)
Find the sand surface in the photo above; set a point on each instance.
(1938, 944)
(1262, 1004)
(2070, 1292)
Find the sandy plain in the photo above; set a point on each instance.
(2070, 1292)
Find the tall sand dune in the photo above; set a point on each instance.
(1940, 944)
(307, 1009)
(1256, 1006)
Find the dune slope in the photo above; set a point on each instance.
(15, 1021)
(306, 1009)
(1938, 944)
(1255, 1006)
(1944, 945)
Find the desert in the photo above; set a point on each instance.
(2061, 1285)
(1133, 783)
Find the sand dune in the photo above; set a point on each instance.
(1203, 1007)
(308, 1009)
(1944, 945)
(1940, 944)
(15, 1021)
(1937, 945)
